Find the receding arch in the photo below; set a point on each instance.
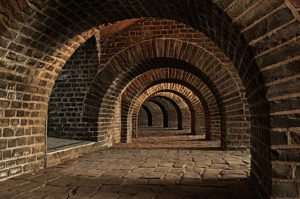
(182, 92)
(130, 100)
(133, 57)
(149, 115)
(215, 20)
(175, 106)
(159, 112)
(175, 94)
(164, 112)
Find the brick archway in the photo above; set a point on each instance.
(51, 37)
(175, 111)
(184, 106)
(137, 57)
(163, 75)
(195, 110)
(157, 109)
(149, 116)
(165, 107)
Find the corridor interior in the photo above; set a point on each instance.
(141, 99)
(159, 164)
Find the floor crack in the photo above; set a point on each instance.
(72, 192)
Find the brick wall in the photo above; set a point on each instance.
(158, 120)
(185, 107)
(171, 112)
(144, 117)
(157, 28)
(145, 81)
(37, 38)
(195, 116)
(66, 104)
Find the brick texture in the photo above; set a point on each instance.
(68, 94)
(256, 42)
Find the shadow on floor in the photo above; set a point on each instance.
(106, 187)
(164, 140)
(165, 147)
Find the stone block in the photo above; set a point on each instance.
(282, 171)
(8, 132)
(285, 189)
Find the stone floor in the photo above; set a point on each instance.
(127, 171)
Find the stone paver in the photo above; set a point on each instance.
(131, 172)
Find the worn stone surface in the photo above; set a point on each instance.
(137, 173)
(155, 171)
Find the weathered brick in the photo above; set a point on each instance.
(4, 104)
(3, 174)
(50, 36)
(282, 171)
(295, 136)
(10, 113)
(8, 132)
(285, 189)
(286, 154)
(15, 171)
(12, 143)
(20, 132)
(268, 24)
(279, 138)
(6, 154)
(3, 144)
(297, 172)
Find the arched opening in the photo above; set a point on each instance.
(184, 107)
(145, 117)
(65, 104)
(160, 114)
(261, 61)
(176, 113)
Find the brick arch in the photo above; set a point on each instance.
(180, 93)
(71, 29)
(206, 119)
(164, 111)
(135, 54)
(149, 78)
(161, 114)
(158, 63)
(68, 94)
(174, 50)
(206, 112)
(183, 105)
(148, 114)
(222, 22)
(147, 29)
(175, 115)
(184, 98)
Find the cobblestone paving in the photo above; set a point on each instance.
(153, 173)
